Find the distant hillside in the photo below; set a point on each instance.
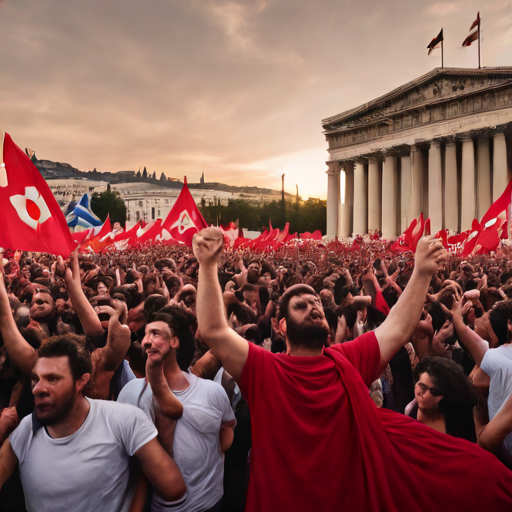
(57, 170)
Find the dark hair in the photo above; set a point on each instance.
(177, 321)
(459, 395)
(499, 317)
(293, 291)
(152, 305)
(71, 346)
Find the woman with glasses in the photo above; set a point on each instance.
(444, 398)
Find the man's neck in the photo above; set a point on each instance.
(302, 351)
(174, 376)
(73, 420)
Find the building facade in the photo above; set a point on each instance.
(438, 145)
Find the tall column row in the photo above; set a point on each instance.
(463, 180)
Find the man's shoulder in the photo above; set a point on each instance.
(23, 430)
(209, 390)
(132, 389)
(111, 408)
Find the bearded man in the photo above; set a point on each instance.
(318, 441)
(73, 452)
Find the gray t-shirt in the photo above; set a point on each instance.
(196, 440)
(86, 471)
(497, 363)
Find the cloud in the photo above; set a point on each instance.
(235, 86)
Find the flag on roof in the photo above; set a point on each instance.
(31, 219)
(436, 42)
(474, 31)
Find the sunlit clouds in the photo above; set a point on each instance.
(238, 88)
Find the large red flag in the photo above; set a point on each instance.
(184, 219)
(499, 207)
(31, 219)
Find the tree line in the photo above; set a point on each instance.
(303, 216)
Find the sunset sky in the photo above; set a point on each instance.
(238, 88)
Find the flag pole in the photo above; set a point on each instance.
(442, 53)
(479, 27)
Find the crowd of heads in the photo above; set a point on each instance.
(355, 285)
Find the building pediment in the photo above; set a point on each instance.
(439, 86)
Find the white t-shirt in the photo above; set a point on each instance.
(497, 363)
(196, 440)
(87, 470)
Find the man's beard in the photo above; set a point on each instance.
(253, 276)
(306, 335)
(54, 414)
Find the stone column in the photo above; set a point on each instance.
(483, 166)
(468, 194)
(435, 190)
(406, 192)
(360, 199)
(348, 207)
(500, 174)
(389, 197)
(374, 203)
(333, 198)
(416, 182)
(451, 200)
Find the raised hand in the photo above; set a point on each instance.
(430, 255)
(207, 246)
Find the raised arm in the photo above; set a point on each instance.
(21, 354)
(88, 318)
(492, 435)
(162, 471)
(8, 462)
(224, 343)
(118, 339)
(403, 318)
(476, 346)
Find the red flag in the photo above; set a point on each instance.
(473, 36)
(282, 237)
(81, 235)
(131, 233)
(31, 218)
(150, 233)
(184, 219)
(471, 241)
(103, 231)
(443, 236)
(427, 226)
(499, 207)
(436, 42)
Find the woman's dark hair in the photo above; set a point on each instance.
(459, 395)
(177, 321)
(71, 346)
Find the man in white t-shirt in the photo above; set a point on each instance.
(73, 452)
(204, 431)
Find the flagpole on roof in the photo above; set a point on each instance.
(442, 53)
(479, 26)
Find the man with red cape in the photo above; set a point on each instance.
(318, 441)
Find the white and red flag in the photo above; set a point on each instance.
(184, 219)
(31, 219)
(474, 32)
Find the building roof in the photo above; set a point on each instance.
(431, 75)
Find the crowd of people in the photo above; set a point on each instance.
(314, 377)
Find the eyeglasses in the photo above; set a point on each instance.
(422, 388)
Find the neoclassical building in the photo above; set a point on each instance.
(436, 145)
